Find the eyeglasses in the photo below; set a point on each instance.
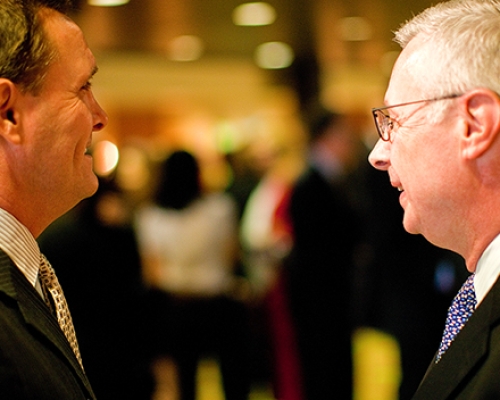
(385, 124)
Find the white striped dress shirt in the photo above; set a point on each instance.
(20, 245)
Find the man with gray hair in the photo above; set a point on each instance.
(440, 144)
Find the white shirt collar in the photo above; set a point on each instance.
(20, 245)
(487, 269)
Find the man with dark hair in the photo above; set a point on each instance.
(47, 116)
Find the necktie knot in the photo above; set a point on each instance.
(461, 309)
(50, 286)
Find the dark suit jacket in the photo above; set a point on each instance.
(470, 369)
(36, 361)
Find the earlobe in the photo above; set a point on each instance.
(9, 125)
(482, 112)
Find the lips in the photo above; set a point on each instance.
(397, 185)
(88, 147)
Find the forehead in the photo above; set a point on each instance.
(408, 76)
(68, 40)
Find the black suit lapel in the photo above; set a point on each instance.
(464, 354)
(36, 313)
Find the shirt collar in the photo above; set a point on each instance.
(20, 245)
(487, 269)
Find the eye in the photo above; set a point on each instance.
(87, 86)
(387, 122)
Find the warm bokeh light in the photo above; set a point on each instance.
(133, 173)
(107, 3)
(254, 14)
(106, 156)
(274, 55)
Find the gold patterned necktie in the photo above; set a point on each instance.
(50, 284)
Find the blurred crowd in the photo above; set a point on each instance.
(269, 274)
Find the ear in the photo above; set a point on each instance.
(9, 123)
(482, 112)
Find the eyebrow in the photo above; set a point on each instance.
(90, 76)
(94, 70)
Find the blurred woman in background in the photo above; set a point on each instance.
(189, 244)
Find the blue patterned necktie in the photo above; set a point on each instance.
(461, 309)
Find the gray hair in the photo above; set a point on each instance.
(464, 37)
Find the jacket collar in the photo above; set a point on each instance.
(466, 351)
(36, 314)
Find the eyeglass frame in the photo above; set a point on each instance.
(387, 138)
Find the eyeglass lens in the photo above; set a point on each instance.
(384, 124)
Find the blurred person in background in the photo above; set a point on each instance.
(265, 237)
(320, 268)
(189, 245)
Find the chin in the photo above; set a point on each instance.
(94, 188)
(90, 187)
(410, 226)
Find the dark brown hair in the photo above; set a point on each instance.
(179, 183)
(25, 50)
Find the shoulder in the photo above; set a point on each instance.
(218, 202)
(149, 215)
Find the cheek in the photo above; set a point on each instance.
(403, 160)
(413, 168)
(426, 189)
(74, 130)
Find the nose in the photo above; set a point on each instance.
(100, 117)
(379, 157)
